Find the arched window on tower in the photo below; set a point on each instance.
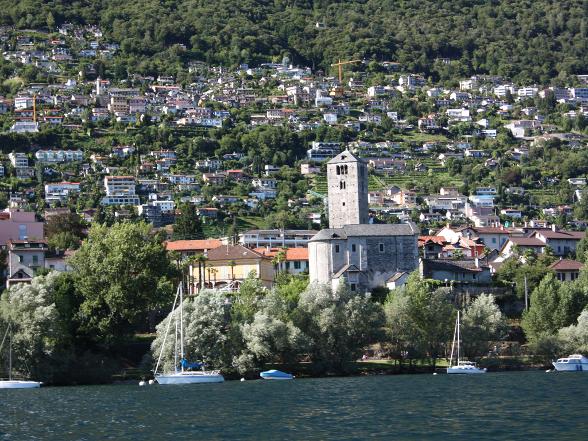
(338, 170)
(341, 185)
(346, 170)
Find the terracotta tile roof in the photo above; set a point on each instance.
(565, 235)
(437, 239)
(527, 241)
(490, 230)
(566, 265)
(234, 252)
(298, 253)
(192, 245)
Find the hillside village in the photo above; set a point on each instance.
(483, 168)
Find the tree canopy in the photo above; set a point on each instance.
(121, 272)
(531, 42)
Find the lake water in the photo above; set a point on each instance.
(496, 406)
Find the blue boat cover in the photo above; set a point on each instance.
(187, 365)
(273, 373)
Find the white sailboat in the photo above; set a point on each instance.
(461, 366)
(10, 383)
(183, 375)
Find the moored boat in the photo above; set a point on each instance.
(461, 366)
(573, 363)
(19, 384)
(274, 374)
(10, 383)
(188, 373)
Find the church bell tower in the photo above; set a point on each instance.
(347, 178)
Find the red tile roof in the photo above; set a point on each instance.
(192, 245)
(527, 241)
(566, 265)
(234, 252)
(298, 253)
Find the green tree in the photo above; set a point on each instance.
(542, 316)
(431, 313)
(482, 322)
(38, 337)
(122, 273)
(339, 324)
(207, 335)
(188, 225)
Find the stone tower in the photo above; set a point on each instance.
(347, 179)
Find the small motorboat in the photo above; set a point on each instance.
(276, 375)
(573, 363)
(19, 384)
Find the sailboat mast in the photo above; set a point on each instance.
(453, 342)
(10, 352)
(458, 336)
(182, 327)
(176, 348)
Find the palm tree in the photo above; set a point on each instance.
(189, 263)
(232, 264)
(201, 258)
(278, 259)
(212, 271)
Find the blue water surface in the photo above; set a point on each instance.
(495, 406)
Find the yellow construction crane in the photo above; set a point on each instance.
(340, 65)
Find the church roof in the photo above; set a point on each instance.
(349, 268)
(365, 230)
(345, 156)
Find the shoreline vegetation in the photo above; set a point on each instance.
(111, 312)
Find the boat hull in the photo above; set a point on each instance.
(570, 367)
(465, 370)
(189, 378)
(15, 384)
(276, 375)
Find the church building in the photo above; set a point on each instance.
(363, 254)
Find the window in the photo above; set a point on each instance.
(338, 170)
(381, 248)
(343, 204)
(296, 264)
(353, 287)
(35, 260)
(336, 248)
(287, 265)
(493, 240)
(341, 185)
(353, 248)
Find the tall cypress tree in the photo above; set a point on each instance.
(188, 225)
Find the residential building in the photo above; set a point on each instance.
(276, 238)
(228, 266)
(566, 270)
(321, 151)
(59, 192)
(461, 271)
(187, 248)
(57, 156)
(120, 190)
(18, 159)
(561, 242)
(25, 258)
(16, 224)
(293, 261)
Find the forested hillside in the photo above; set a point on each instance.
(530, 41)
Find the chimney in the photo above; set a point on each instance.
(477, 261)
(553, 227)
